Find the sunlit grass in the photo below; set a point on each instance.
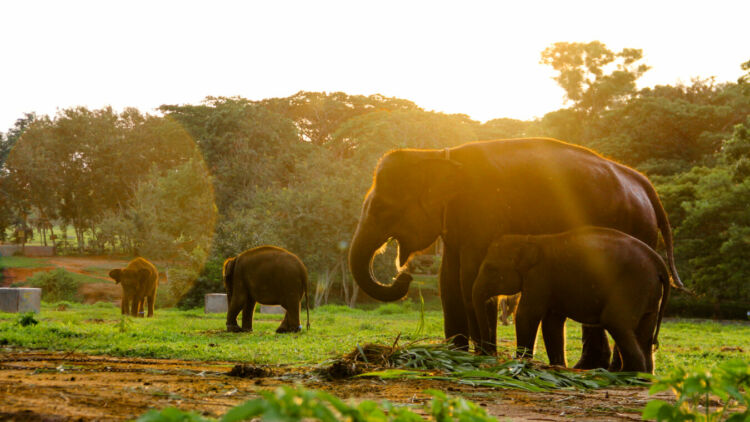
(23, 262)
(335, 330)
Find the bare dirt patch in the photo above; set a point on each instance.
(17, 275)
(41, 385)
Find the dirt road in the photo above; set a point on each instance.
(59, 386)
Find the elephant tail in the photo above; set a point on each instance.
(307, 300)
(227, 272)
(666, 230)
(665, 286)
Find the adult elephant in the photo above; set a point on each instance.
(473, 193)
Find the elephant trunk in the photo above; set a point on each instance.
(363, 249)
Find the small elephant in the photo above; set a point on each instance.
(139, 280)
(596, 276)
(508, 305)
(268, 275)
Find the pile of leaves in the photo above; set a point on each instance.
(440, 361)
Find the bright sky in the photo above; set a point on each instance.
(472, 57)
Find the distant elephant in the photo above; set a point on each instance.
(270, 276)
(593, 275)
(476, 192)
(139, 280)
(508, 305)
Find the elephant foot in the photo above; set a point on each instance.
(282, 330)
(592, 362)
(234, 328)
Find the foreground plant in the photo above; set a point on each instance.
(289, 404)
(729, 382)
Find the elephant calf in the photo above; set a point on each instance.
(139, 280)
(270, 276)
(508, 305)
(596, 276)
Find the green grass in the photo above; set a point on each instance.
(99, 271)
(23, 262)
(335, 330)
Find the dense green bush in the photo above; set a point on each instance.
(56, 285)
(701, 307)
(209, 281)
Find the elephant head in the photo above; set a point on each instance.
(507, 261)
(406, 202)
(131, 280)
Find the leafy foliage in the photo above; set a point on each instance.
(26, 319)
(290, 404)
(729, 382)
(56, 285)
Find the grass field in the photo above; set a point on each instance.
(23, 262)
(193, 335)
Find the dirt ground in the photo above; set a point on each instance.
(60, 386)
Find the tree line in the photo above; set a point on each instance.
(202, 182)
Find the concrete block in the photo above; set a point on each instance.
(216, 303)
(20, 299)
(271, 309)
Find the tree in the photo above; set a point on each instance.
(318, 115)
(173, 216)
(713, 222)
(246, 146)
(582, 73)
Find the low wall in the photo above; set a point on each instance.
(10, 250)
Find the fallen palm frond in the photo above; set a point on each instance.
(439, 361)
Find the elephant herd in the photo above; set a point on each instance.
(571, 231)
(267, 274)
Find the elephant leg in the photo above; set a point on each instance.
(455, 323)
(469, 269)
(151, 299)
(290, 324)
(141, 306)
(632, 357)
(235, 306)
(248, 312)
(134, 305)
(553, 333)
(124, 305)
(645, 335)
(596, 352)
(527, 325)
(492, 306)
(616, 364)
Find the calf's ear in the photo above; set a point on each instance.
(115, 274)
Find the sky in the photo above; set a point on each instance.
(479, 58)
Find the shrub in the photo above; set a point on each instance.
(288, 404)
(56, 285)
(728, 381)
(209, 281)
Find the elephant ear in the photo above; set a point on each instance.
(442, 179)
(527, 255)
(115, 274)
(143, 275)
